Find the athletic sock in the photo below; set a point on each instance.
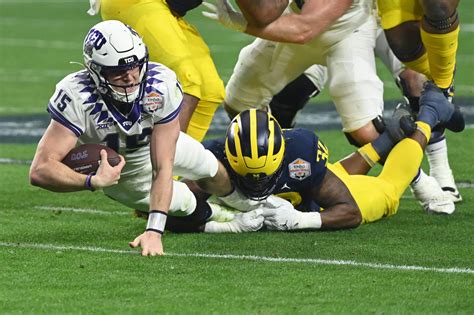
(441, 50)
(420, 65)
(383, 144)
(424, 128)
(437, 154)
(369, 154)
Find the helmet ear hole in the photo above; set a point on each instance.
(255, 148)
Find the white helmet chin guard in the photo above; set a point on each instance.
(114, 46)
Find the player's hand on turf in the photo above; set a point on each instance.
(107, 175)
(281, 219)
(150, 242)
(223, 12)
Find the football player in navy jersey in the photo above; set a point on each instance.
(262, 160)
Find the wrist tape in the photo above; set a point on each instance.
(156, 221)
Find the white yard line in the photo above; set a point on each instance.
(307, 261)
(83, 210)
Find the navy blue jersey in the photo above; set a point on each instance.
(304, 166)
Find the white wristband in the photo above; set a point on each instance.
(310, 220)
(156, 221)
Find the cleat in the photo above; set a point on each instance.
(454, 193)
(433, 100)
(430, 195)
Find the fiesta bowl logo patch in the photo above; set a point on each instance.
(299, 169)
(153, 102)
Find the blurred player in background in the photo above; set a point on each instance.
(174, 42)
(331, 37)
(288, 102)
(424, 35)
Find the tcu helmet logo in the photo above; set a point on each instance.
(129, 59)
(94, 39)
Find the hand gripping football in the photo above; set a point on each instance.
(85, 158)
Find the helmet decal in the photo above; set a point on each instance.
(255, 149)
(112, 47)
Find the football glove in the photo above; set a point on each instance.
(288, 219)
(242, 222)
(224, 13)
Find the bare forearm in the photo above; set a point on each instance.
(315, 18)
(161, 191)
(261, 12)
(57, 177)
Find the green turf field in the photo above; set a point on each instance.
(67, 253)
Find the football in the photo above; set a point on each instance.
(85, 158)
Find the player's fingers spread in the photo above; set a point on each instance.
(135, 242)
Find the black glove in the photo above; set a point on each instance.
(181, 7)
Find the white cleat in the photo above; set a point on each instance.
(453, 192)
(446, 181)
(431, 196)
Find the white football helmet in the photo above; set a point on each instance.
(114, 46)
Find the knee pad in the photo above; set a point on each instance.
(442, 24)
(289, 101)
(379, 125)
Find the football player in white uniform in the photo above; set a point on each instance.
(340, 35)
(131, 105)
(337, 34)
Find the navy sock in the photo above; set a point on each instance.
(383, 145)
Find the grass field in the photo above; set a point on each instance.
(67, 253)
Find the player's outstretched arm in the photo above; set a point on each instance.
(163, 148)
(340, 209)
(48, 172)
(315, 17)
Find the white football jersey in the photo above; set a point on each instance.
(78, 105)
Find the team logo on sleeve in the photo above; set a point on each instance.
(299, 169)
(152, 102)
